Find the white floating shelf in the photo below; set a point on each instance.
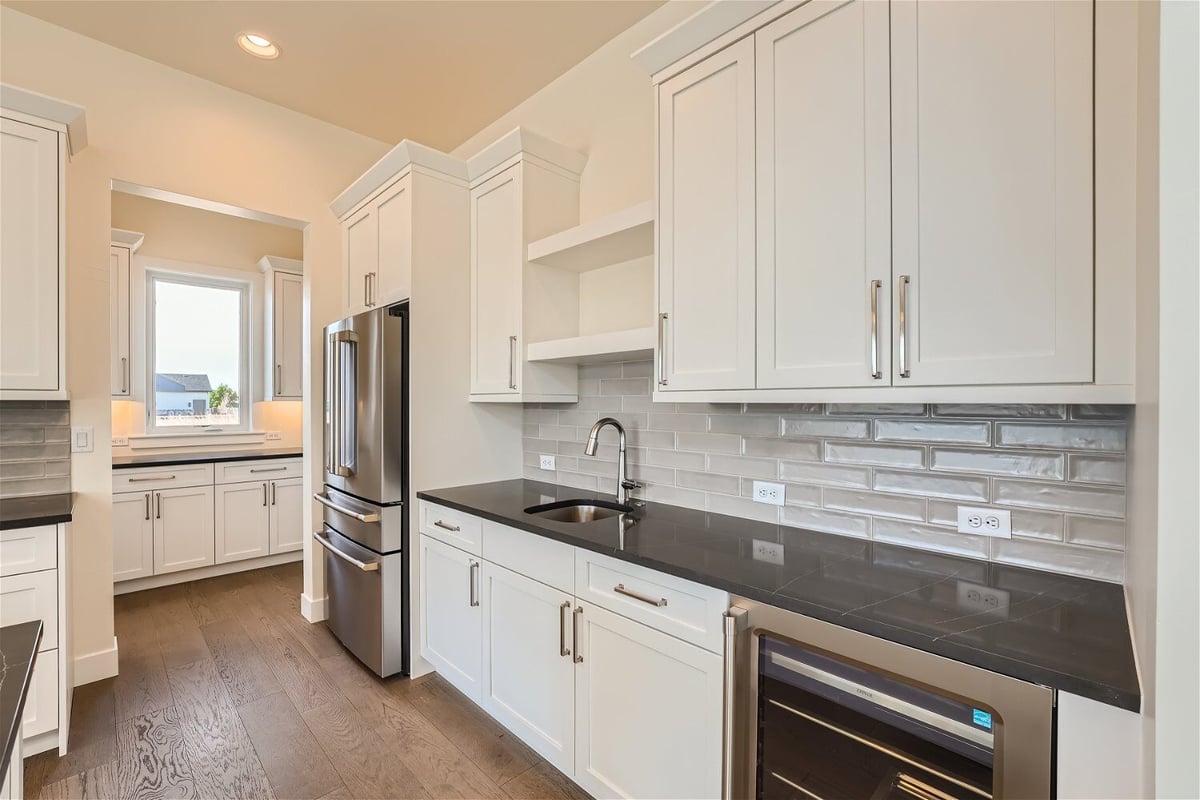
(629, 345)
(619, 237)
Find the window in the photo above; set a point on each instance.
(198, 334)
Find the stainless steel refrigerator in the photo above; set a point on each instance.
(365, 496)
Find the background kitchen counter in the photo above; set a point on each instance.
(175, 459)
(38, 509)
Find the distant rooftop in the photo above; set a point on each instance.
(181, 382)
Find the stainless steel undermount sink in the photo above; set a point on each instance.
(578, 510)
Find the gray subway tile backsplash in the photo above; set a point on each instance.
(35, 449)
(894, 473)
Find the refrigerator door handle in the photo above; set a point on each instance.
(338, 410)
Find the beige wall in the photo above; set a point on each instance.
(158, 127)
(203, 237)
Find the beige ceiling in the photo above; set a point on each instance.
(435, 71)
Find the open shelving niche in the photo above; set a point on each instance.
(622, 246)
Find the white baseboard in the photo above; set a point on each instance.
(312, 610)
(96, 666)
(200, 573)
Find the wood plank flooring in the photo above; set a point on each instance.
(225, 691)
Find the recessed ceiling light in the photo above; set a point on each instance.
(258, 45)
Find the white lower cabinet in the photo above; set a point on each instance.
(183, 528)
(622, 707)
(451, 616)
(133, 536)
(287, 515)
(243, 518)
(529, 675)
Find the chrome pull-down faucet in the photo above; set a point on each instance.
(623, 484)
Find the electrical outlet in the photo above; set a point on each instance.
(770, 552)
(974, 597)
(985, 522)
(546, 462)
(274, 436)
(81, 439)
(771, 493)
(120, 441)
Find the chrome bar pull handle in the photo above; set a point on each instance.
(124, 375)
(264, 495)
(512, 362)
(658, 602)
(563, 650)
(876, 373)
(367, 289)
(150, 478)
(903, 325)
(662, 349)
(473, 579)
(158, 505)
(278, 378)
(273, 492)
(147, 505)
(447, 526)
(578, 657)
(254, 470)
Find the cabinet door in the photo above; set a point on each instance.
(287, 515)
(529, 678)
(497, 264)
(29, 274)
(183, 528)
(648, 711)
(360, 257)
(133, 536)
(287, 336)
(393, 209)
(706, 222)
(242, 521)
(118, 320)
(992, 191)
(451, 615)
(824, 224)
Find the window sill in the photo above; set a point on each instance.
(158, 441)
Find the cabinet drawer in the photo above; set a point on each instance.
(150, 479)
(271, 469)
(452, 527)
(28, 550)
(672, 605)
(33, 595)
(545, 560)
(41, 704)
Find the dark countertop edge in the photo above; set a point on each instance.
(34, 517)
(177, 459)
(12, 727)
(1110, 695)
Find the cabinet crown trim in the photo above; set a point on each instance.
(128, 239)
(281, 264)
(48, 108)
(711, 22)
(405, 154)
(519, 141)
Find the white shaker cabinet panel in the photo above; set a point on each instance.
(133, 535)
(992, 191)
(287, 336)
(287, 515)
(360, 257)
(529, 677)
(392, 280)
(183, 528)
(30, 277)
(120, 362)
(823, 184)
(451, 615)
(706, 224)
(497, 266)
(648, 711)
(242, 521)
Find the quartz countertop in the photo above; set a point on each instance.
(18, 651)
(1064, 632)
(191, 457)
(38, 509)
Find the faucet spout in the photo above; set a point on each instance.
(593, 441)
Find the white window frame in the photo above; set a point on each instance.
(208, 277)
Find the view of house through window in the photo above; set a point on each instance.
(198, 349)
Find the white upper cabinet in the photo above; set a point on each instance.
(392, 279)
(496, 284)
(706, 261)
(31, 265)
(992, 180)
(824, 242)
(360, 257)
(284, 317)
(120, 337)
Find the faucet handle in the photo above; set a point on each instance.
(628, 484)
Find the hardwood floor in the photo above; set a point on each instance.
(225, 691)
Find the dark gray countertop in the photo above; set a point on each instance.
(39, 509)
(1063, 632)
(175, 459)
(18, 651)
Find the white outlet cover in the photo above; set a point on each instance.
(546, 462)
(274, 436)
(120, 441)
(994, 522)
(770, 493)
(770, 552)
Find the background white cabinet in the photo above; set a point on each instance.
(529, 677)
(133, 535)
(118, 320)
(284, 327)
(992, 180)
(183, 528)
(451, 615)
(824, 224)
(287, 515)
(242, 521)
(31, 266)
(648, 712)
(706, 223)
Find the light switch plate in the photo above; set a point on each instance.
(546, 462)
(985, 522)
(81, 439)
